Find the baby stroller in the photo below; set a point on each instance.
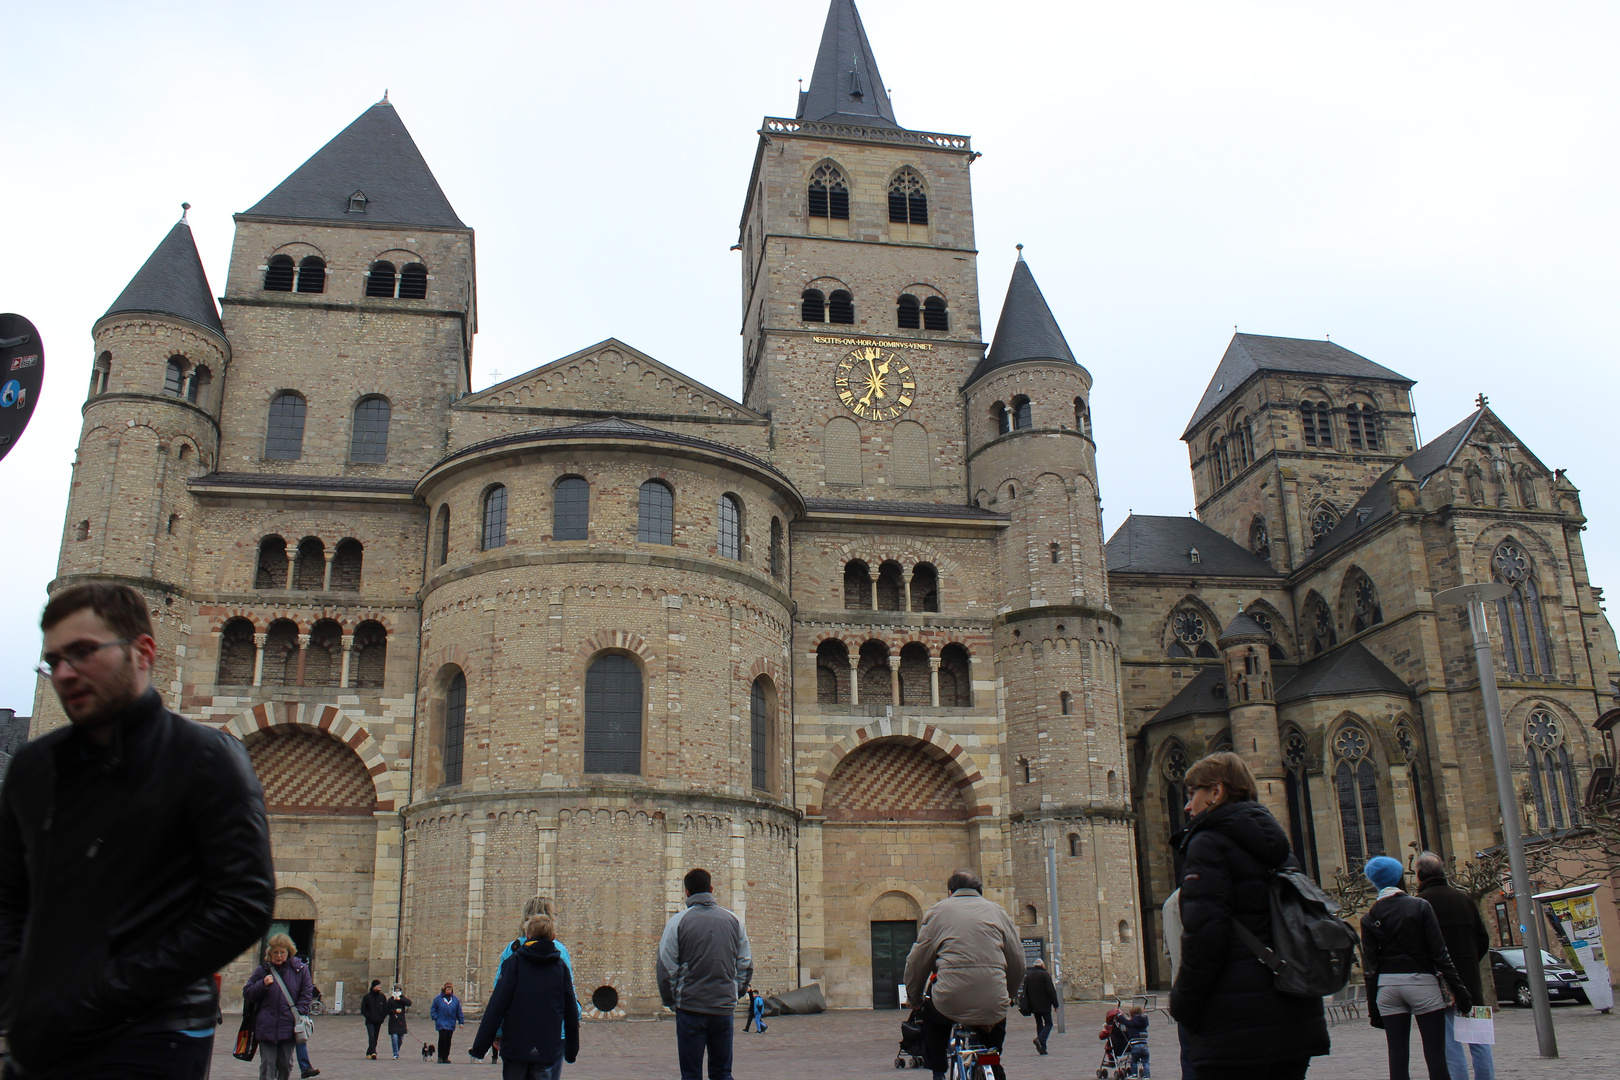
(1116, 1059)
(911, 1042)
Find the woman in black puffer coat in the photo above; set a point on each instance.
(1238, 1025)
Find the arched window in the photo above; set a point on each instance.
(1190, 634)
(841, 451)
(730, 527)
(1082, 417)
(1217, 470)
(1324, 519)
(840, 307)
(1355, 782)
(1362, 422)
(829, 193)
(778, 558)
(891, 586)
(455, 727)
(832, 673)
(309, 572)
(284, 436)
(1113, 789)
(281, 654)
(370, 655)
(380, 279)
(1363, 609)
(1023, 413)
(1301, 826)
(368, 442)
(571, 509)
(872, 674)
(915, 675)
(271, 571)
(857, 586)
(1002, 418)
(908, 203)
(312, 275)
(1409, 749)
(444, 534)
(278, 276)
(494, 534)
(1525, 645)
(935, 317)
(955, 677)
(174, 376)
(613, 715)
(1319, 625)
(1240, 445)
(655, 514)
(1552, 775)
(1173, 771)
(812, 306)
(237, 654)
(1074, 845)
(924, 587)
(908, 314)
(198, 385)
(346, 563)
(1065, 703)
(413, 279)
(1318, 423)
(760, 701)
(100, 374)
(323, 660)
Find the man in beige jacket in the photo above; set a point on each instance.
(971, 945)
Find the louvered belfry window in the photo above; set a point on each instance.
(312, 275)
(413, 282)
(571, 509)
(278, 276)
(908, 203)
(613, 715)
(841, 307)
(813, 306)
(829, 193)
(1318, 423)
(380, 281)
(908, 316)
(934, 315)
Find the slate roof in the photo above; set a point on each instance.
(1249, 353)
(172, 282)
(1379, 502)
(1348, 670)
(1148, 544)
(374, 155)
(1027, 330)
(1243, 624)
(1205, 694)
(895, 507)
(845, 68)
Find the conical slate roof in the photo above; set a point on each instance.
(1027, 329)
(172, 282)
(845, 86)
(374, 156)
(1243, 625)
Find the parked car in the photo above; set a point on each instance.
(1507, 969)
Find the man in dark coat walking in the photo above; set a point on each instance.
(374, 1009)
(1468, 941)
(1040, 998)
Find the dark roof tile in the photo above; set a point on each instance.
(1147, 544)
(845, 86)
(172, 282)
(1203, 696)
(1027, 329)
(1250, 353)
(1348, 670)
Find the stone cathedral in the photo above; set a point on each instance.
(579, 631)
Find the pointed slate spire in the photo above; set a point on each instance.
(172, 282)
(370, 173)
(1027, 329)
(845, 86)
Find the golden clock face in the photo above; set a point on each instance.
(875, 384)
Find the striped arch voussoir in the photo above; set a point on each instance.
(333, 721)
(616, 639)
(967, 776)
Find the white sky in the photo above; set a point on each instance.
(1429, 183)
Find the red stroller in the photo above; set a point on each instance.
(1116, 1059)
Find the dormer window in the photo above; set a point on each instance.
(357, 202)
(1193, 555)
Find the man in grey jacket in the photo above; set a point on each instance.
(703, 968)
(972, 945)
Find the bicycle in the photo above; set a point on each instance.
(968, 1057)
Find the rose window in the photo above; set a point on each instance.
(1294, 750)
(1189, 627)
(1512, 565)
(1175, 765)
(1365, 597)
(1543, 729)
(1322, 523)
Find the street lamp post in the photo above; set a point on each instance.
(1475, 597)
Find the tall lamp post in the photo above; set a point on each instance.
(1475, 597)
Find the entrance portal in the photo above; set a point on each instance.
(891, 943)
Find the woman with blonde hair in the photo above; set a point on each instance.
(537, 905)
(280, 977)
(1237, 1024)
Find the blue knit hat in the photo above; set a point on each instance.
(1383, 871)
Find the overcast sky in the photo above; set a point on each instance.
(1431, 184)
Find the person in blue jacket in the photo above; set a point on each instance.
(539, 905)
(756, 1010)
(533, 1006)
(447, 1016)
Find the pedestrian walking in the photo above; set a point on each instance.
(1404, 956)
(446, 1015)
(398, 1026)
(134, 859)
(1468, 942)
(280, 989)
(374, 1010)
(533, 1006)
(756, 1011)
(538, 905)
(1136, 1041)
(1040, 997)
(305, 1069)
(704, 964)
(1238, 1026)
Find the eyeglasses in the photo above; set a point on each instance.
(74, 655)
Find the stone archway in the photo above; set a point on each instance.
(333, 721)
(937, 744)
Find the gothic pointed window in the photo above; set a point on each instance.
(1362, 424)
(571, 509)
(1318, 423)
(908, 313)
(284, 435)
(494, 532)
(908, 203)
(1173, 771)
(1319, 625)
(279, 275)
(1301, 826)
(1364, 609)
(1552, 776)
(812, 306)
(655, 513)
(840, 307)
(368, 442)
(829, 193)
(1324, 519)
(1355, 782)
(935, 316)
(1525, 646)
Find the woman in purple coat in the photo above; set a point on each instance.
(275, 1025)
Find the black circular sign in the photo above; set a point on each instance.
(605, 999)
(22, 370)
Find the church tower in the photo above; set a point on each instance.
(860, 288)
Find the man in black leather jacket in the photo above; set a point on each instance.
(134, 861)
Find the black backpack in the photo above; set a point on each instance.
(1311, 947)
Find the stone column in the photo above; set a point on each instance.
(933, 680)
(303, 655)
(258, 659)
(326, 582)
(348, 649)
(292, 561)
(894, 681)
(905, 586)
(854, 679)
(873, 578)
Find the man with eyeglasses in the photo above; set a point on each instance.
(134, 861)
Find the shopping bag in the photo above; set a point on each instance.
(247, 1040)
(1475, 1027)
